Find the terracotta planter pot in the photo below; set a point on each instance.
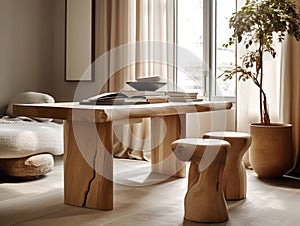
(271, 149)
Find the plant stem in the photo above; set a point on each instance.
(261, 81)
(266, 111)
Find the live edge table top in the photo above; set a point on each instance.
(105, 113)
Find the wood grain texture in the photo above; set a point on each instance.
(165, 130)
(91, 113)
(86, 160)
(101, 190)
(234, 177)
(84, 186)
(204, 200)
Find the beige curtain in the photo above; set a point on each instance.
(290, 95)
(147, 23)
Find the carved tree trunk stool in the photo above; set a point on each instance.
(204, 200)
(234, 178)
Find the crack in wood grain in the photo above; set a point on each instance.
(90, 182)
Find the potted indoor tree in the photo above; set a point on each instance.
(256, 26)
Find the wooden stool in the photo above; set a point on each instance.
(234, 178)
(204, 200)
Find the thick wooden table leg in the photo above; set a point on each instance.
(88, 165)
(165, 130)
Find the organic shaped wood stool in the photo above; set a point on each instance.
(204, 200)
(234, 178)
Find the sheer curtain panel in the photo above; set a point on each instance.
(143, 28)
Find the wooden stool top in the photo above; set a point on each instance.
(197, 149)
(192, 142)
(227, 134)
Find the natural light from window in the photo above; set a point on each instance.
(225, 57)
(202, 28)
(190, 37)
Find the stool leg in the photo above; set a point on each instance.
(204, 201)
(193, 174)
(234, 178)
(235, 185)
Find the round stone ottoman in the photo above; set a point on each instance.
(28, 167)
(26, 148)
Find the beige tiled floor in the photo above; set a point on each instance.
(140, 202)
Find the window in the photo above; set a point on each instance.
(202, 29)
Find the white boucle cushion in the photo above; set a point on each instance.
(29, 98)
(20, 139)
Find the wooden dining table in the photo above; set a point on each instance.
(88, 135)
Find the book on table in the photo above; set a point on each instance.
(139, 97)
(150, 96)
(114, 98)
(175, 96)
(191, 95)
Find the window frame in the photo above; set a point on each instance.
(210, 50)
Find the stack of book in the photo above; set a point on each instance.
(182, 96)
(149, 96)
(139, 97)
